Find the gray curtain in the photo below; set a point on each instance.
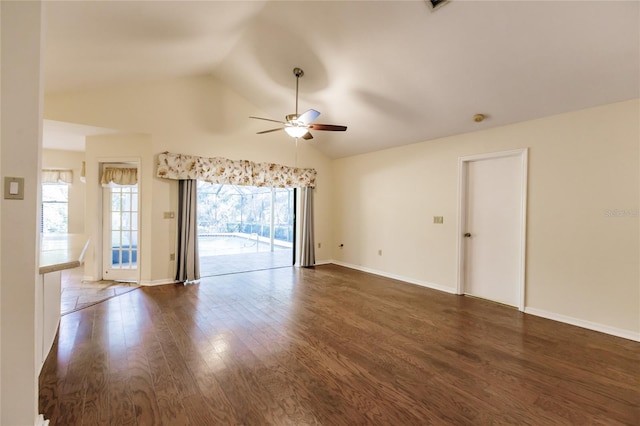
(307, 246)
(188, 267)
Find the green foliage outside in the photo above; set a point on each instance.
(245, 209)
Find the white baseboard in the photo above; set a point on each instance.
(324, 262)
(625, 334)
(409, 280)
(152, 283)
(40, 421)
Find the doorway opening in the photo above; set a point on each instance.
(244, 228)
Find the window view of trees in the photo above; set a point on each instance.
(226, 209)
(55, 208)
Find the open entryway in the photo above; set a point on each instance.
(244, 228)
(492, 223)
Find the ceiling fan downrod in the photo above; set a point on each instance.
(298, 73)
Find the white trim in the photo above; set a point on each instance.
(151, 283)
(40, 421)
(602, 328)
(325, 262)
(462, 207)
(403, 278)
(523, 153)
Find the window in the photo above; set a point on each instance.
(124, 226)
(55, 208)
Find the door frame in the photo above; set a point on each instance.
(99, 229)
(463, 163)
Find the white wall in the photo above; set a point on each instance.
(582, 264)
(20, 142)
(197, 116)
(71, 160)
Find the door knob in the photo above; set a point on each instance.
(467, 235)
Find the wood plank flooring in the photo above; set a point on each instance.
(329, 346)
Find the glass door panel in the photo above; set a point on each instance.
(121, 238)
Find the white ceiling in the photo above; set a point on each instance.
(394, 72)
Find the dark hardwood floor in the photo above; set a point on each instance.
(330, 346)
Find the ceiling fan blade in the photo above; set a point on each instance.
(269, 131)
(308, 116)
(331, 127)
(307, 136)
(268, 119)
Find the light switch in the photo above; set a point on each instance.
(438, 219)
(13, 188)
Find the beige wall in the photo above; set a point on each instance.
(582, 263)
(72, 160)
(197, 116)
(20, 142)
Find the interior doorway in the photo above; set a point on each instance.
(244, 228)
(492, 224)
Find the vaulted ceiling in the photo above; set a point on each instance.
(394, 72)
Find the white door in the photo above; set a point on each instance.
(120, 236)
(493, 227)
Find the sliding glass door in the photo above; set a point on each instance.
(243, 228)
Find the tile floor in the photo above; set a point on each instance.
(78, 294)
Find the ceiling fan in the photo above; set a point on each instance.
(298, 125)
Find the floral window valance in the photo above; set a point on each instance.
(57, 176)
(224, 171)
(122, 176)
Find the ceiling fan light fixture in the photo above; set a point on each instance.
(295, 131)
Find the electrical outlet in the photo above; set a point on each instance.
(172, 256)
(438, 219)
(380, 252)
(319, 245)
(168, 215)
